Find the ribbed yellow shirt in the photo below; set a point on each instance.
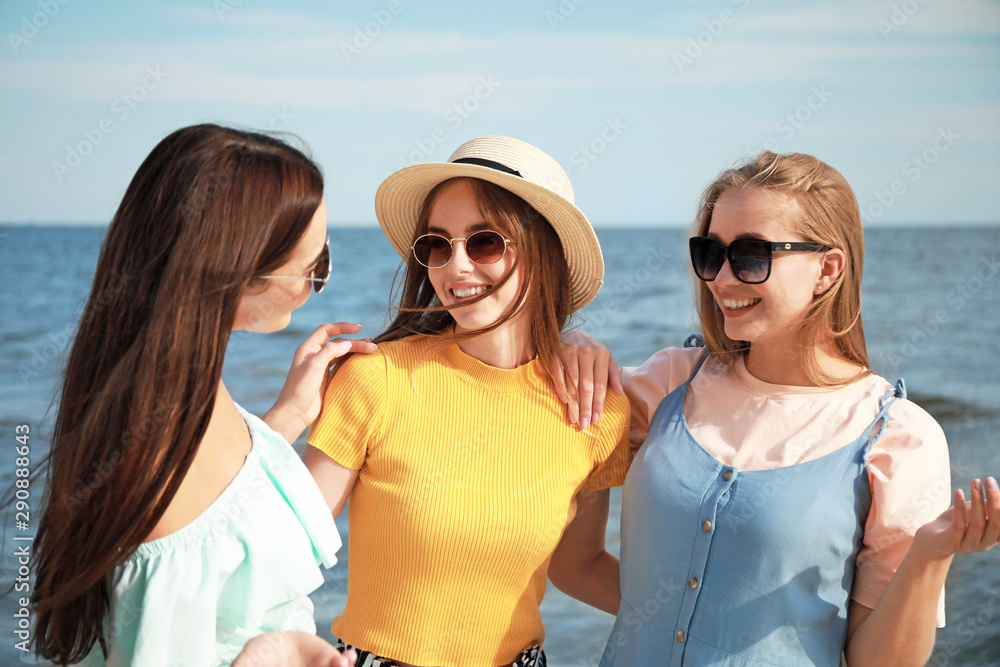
(468, 477)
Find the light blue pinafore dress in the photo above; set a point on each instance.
(721, 566)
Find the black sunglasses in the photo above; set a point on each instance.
(483, 247)
(320, 273)
(750, 259)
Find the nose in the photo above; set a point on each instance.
(460, 262)
(726, 274)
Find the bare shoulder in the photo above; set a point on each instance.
(220, 456)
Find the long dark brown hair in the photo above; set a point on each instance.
(545, 288)
(829, 216)
(208, 211)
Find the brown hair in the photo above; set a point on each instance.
(545, 289)
(207, 212)
(829, 215)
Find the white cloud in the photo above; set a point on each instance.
(244, 16)
(944, 19)
(204, 85)
(250, 67)
(759, 52)
(861, 17)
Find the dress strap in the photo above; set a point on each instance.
(697, 367)
(870, 435)
(695, 340)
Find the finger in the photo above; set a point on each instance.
(992, 533)
(615, 377)
(600, 371)
(355, 345)
(331, 329)
(324, 356)
(585, 392)
(320, 360)
(960, 517)
(345, 659)
(338, 347)
(323, 333)
(572, 392)
(573, 411)
(977, 520)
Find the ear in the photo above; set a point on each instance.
(831, 266)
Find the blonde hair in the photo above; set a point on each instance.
(828, 214)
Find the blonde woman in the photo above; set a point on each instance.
(786, 504)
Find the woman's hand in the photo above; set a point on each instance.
(900, 630)
(591, 369)
(292, 649)
(966, 527)
(301, 397)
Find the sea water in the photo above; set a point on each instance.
(931, 314)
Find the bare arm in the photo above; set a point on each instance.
(334, 480)
(901, 628)
(581, 566)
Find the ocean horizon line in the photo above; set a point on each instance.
(975, 224)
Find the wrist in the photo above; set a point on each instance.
(927, 555)
(283, 420)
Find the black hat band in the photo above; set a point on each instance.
(488, 163)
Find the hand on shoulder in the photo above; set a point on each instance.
(298, 405)
(592, 370)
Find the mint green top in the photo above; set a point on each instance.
(245, 566)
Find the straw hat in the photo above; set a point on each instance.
(515, 166)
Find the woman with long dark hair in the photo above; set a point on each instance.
(178, 526)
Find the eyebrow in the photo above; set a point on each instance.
(478, 227)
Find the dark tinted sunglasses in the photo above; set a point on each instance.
(750, 259)
(320, 273)
(484, 247)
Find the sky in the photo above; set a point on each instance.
(643, 103)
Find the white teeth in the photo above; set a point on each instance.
(740, 303)
(469, 291)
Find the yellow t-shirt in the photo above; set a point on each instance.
(468, 477)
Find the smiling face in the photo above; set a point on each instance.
(268, 307)
(768, 315)
(455, 214)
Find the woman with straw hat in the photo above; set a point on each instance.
(450, 439)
